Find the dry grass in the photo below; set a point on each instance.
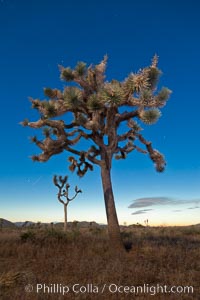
(165, 256)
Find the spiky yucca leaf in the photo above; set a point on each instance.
(72, 97)
(67, 74)
(136, 82)
(153, 73)
(140, 81)
(146, 95)
(94, 103)
(50, 92)
(164, 94)
(51, 111)
(112, 93)
(49, 108)
(128, 84)
(153, 77)
(150, 116)
(81, 68)
(154, 61)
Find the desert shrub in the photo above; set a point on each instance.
(55, 234)
(96, 230)
(191, 230)
(74, 234)
(127, 238)
(27, 236)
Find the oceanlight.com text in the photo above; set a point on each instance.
(111, 288)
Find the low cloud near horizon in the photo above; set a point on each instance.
(195, 207)
(161, 201)
(142, 211)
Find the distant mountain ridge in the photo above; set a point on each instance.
(24, 224)
(80, 224)
(8, 224)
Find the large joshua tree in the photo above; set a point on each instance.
(108, 115)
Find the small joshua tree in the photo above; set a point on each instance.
(63, 187)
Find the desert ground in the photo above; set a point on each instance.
(83, 257)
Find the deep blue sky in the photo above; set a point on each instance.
(36, 36)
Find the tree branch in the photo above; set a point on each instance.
(62, 192)
(125, 136)
(155, 155)
(126, 116)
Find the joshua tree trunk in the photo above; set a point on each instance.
(113, 225)
(65, 217)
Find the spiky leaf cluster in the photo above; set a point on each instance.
(112, 93)
(146, 95)
(163, 95)
(80, 68)
(49, 109)
(153, 77)
(50, 92)
(150, 116)
(72, 97)
(137, 82)
(94, 103)
(140, 81)
(67, 74)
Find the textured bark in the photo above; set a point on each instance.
(113, 225)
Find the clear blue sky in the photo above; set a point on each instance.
(36, 36)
